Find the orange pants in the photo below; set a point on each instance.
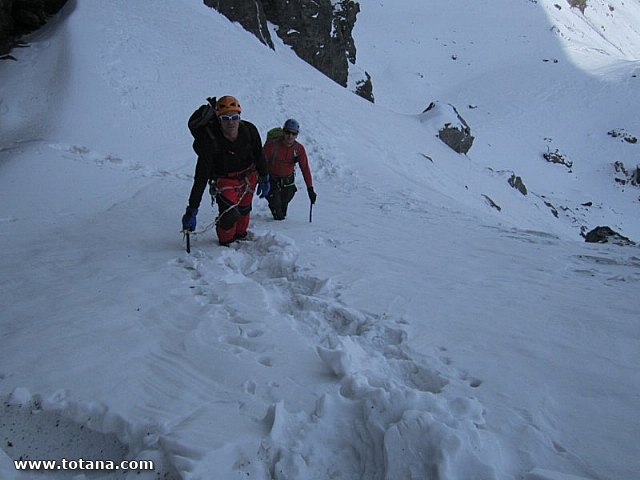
(234, 198)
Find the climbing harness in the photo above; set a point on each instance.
(283, 182)
(215, 191)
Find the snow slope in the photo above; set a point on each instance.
(409, 331)
(529, 78)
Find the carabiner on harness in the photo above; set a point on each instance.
(213, 191)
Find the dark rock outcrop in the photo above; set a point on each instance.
(452, 128)
(579, 4)
(607, 235)
(517, 183)
(364, 88)
(19, 17)
(629, 177)
(491, 203)
(319, 31)
(248, 13)
(557, 157)
(459, 139)
(624, 136)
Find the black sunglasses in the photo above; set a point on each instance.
(289, 132)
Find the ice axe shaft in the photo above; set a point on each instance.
(310, 212)
(188, 239)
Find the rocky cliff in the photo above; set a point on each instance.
(319, 31)
(18, 17)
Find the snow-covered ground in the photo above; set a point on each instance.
(410, 331)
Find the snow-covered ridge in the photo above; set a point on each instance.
(605, 31)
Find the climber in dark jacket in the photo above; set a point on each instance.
(231, 161)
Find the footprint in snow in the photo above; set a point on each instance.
(86, 155)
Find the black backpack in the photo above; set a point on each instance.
(199, 125)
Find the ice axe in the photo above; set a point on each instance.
(188, 239)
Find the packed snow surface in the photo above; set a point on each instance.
(429, 322)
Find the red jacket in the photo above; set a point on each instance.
(283, 164)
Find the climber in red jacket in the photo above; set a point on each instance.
(282, 154)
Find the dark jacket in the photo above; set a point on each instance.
(218, 157)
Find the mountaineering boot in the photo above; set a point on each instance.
(243, 236)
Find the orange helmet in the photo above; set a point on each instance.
(227, 104)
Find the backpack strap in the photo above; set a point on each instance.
(274, 155)
(210, 133)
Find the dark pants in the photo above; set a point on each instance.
(282, 191)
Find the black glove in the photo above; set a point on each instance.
(189, 219)
(312, 195)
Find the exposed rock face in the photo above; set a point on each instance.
(364, 88)
(517, 183)
(452, 128)
(491, 203)
(7, 26)
(5, 14)
(579, 4)
(620, 133)
(607, 235)
(19, 17)
(248, 13)
(458, 138)
(319, 31)
(629, 177)
(557, 157)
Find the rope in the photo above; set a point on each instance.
(247, 189)
(204, 230)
